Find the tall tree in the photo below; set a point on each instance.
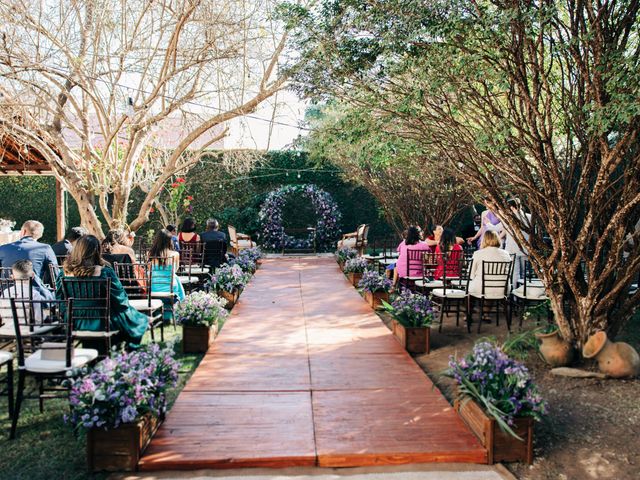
(534, 100)
(124, 94)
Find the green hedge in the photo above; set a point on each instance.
(237, 202)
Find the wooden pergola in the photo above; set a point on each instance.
(16, 159)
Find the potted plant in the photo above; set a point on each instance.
(254, 254)
(343, 254)
(199, 314)
(376, 288)
(354, 268)
(120, 403)
(245, 263)
(498, 401)
(555, 350)
(615, 359)
(228, 281)
(412, 317)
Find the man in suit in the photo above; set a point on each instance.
(29, 248)
(64, 246)
(215, 244)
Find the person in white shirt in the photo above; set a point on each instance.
(490, 251)
(511, 245)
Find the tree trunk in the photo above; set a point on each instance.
(86, 208)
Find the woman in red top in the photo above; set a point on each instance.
(452, 255)
(188, 232)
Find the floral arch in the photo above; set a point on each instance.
(328, 215)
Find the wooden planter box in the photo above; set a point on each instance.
(354, 278)
(501, 447)
(230, 297)
(197, 339)
(119, 449)
(413, 339)
(341, 265)
(375, 299)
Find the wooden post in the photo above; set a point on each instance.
(61, 220)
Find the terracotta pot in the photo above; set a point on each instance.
(354, 278)
(556, 351)
(375, 299)
(616, 359)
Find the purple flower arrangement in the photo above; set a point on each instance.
(374, 282)
(254, 254)
(327, 227)
(345, 253)
(245, 263)
(356, 265)
(200, 309)
(122, 389)
(411, 309)
(229, 278)
(500, 384)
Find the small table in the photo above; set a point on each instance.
(9, 237)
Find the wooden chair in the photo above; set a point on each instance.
(192, 268)
(136, 281)
(239, 241)
(455, 270)
(91, 308)
(495, 291)
(428, 282)
(357, 239)
(415, 262)
(49, 354)
(530, 293)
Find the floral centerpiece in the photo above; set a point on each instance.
(495, 385)
(228, 281)
(197, 313)
(354, 268)
(122, 389)
(412, 317)
(376, 288)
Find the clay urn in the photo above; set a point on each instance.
(616, 359)
(555, 350)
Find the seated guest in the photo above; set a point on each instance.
(188, 231)
(22, 272)
(450, 251)
(215, 241)
(173, 230)
(114, 243)
(64, 246)
(432, 236)
(86, 261)
(165, 263)
(490, 251)
(411, 242)
(28, 248)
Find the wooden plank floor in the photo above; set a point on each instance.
(304, 373)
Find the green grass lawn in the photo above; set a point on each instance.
(45, 447)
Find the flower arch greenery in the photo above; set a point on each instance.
(271, 218)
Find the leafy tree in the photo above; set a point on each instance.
(533, 100)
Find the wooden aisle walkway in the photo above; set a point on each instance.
(304, 373)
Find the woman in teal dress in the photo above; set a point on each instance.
(85, 261)
(165, 262)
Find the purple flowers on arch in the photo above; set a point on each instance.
(327, 227)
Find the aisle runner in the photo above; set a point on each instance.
(304, 373)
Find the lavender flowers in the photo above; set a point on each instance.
(200, 309)
(374, 282)
(411, 309)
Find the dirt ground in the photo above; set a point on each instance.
(593, 427)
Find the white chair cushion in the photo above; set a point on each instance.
(490, 296)
(162, 294)
(81, 356)
(533, 293)
(5, 357)
(197, 270)
(448, 293)
(387, 261)
(142, 304)
(187, 279)
(414, 278)
(94, 334)
(8, 330)
(246, 244)
(432, 284)
(373, 257)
